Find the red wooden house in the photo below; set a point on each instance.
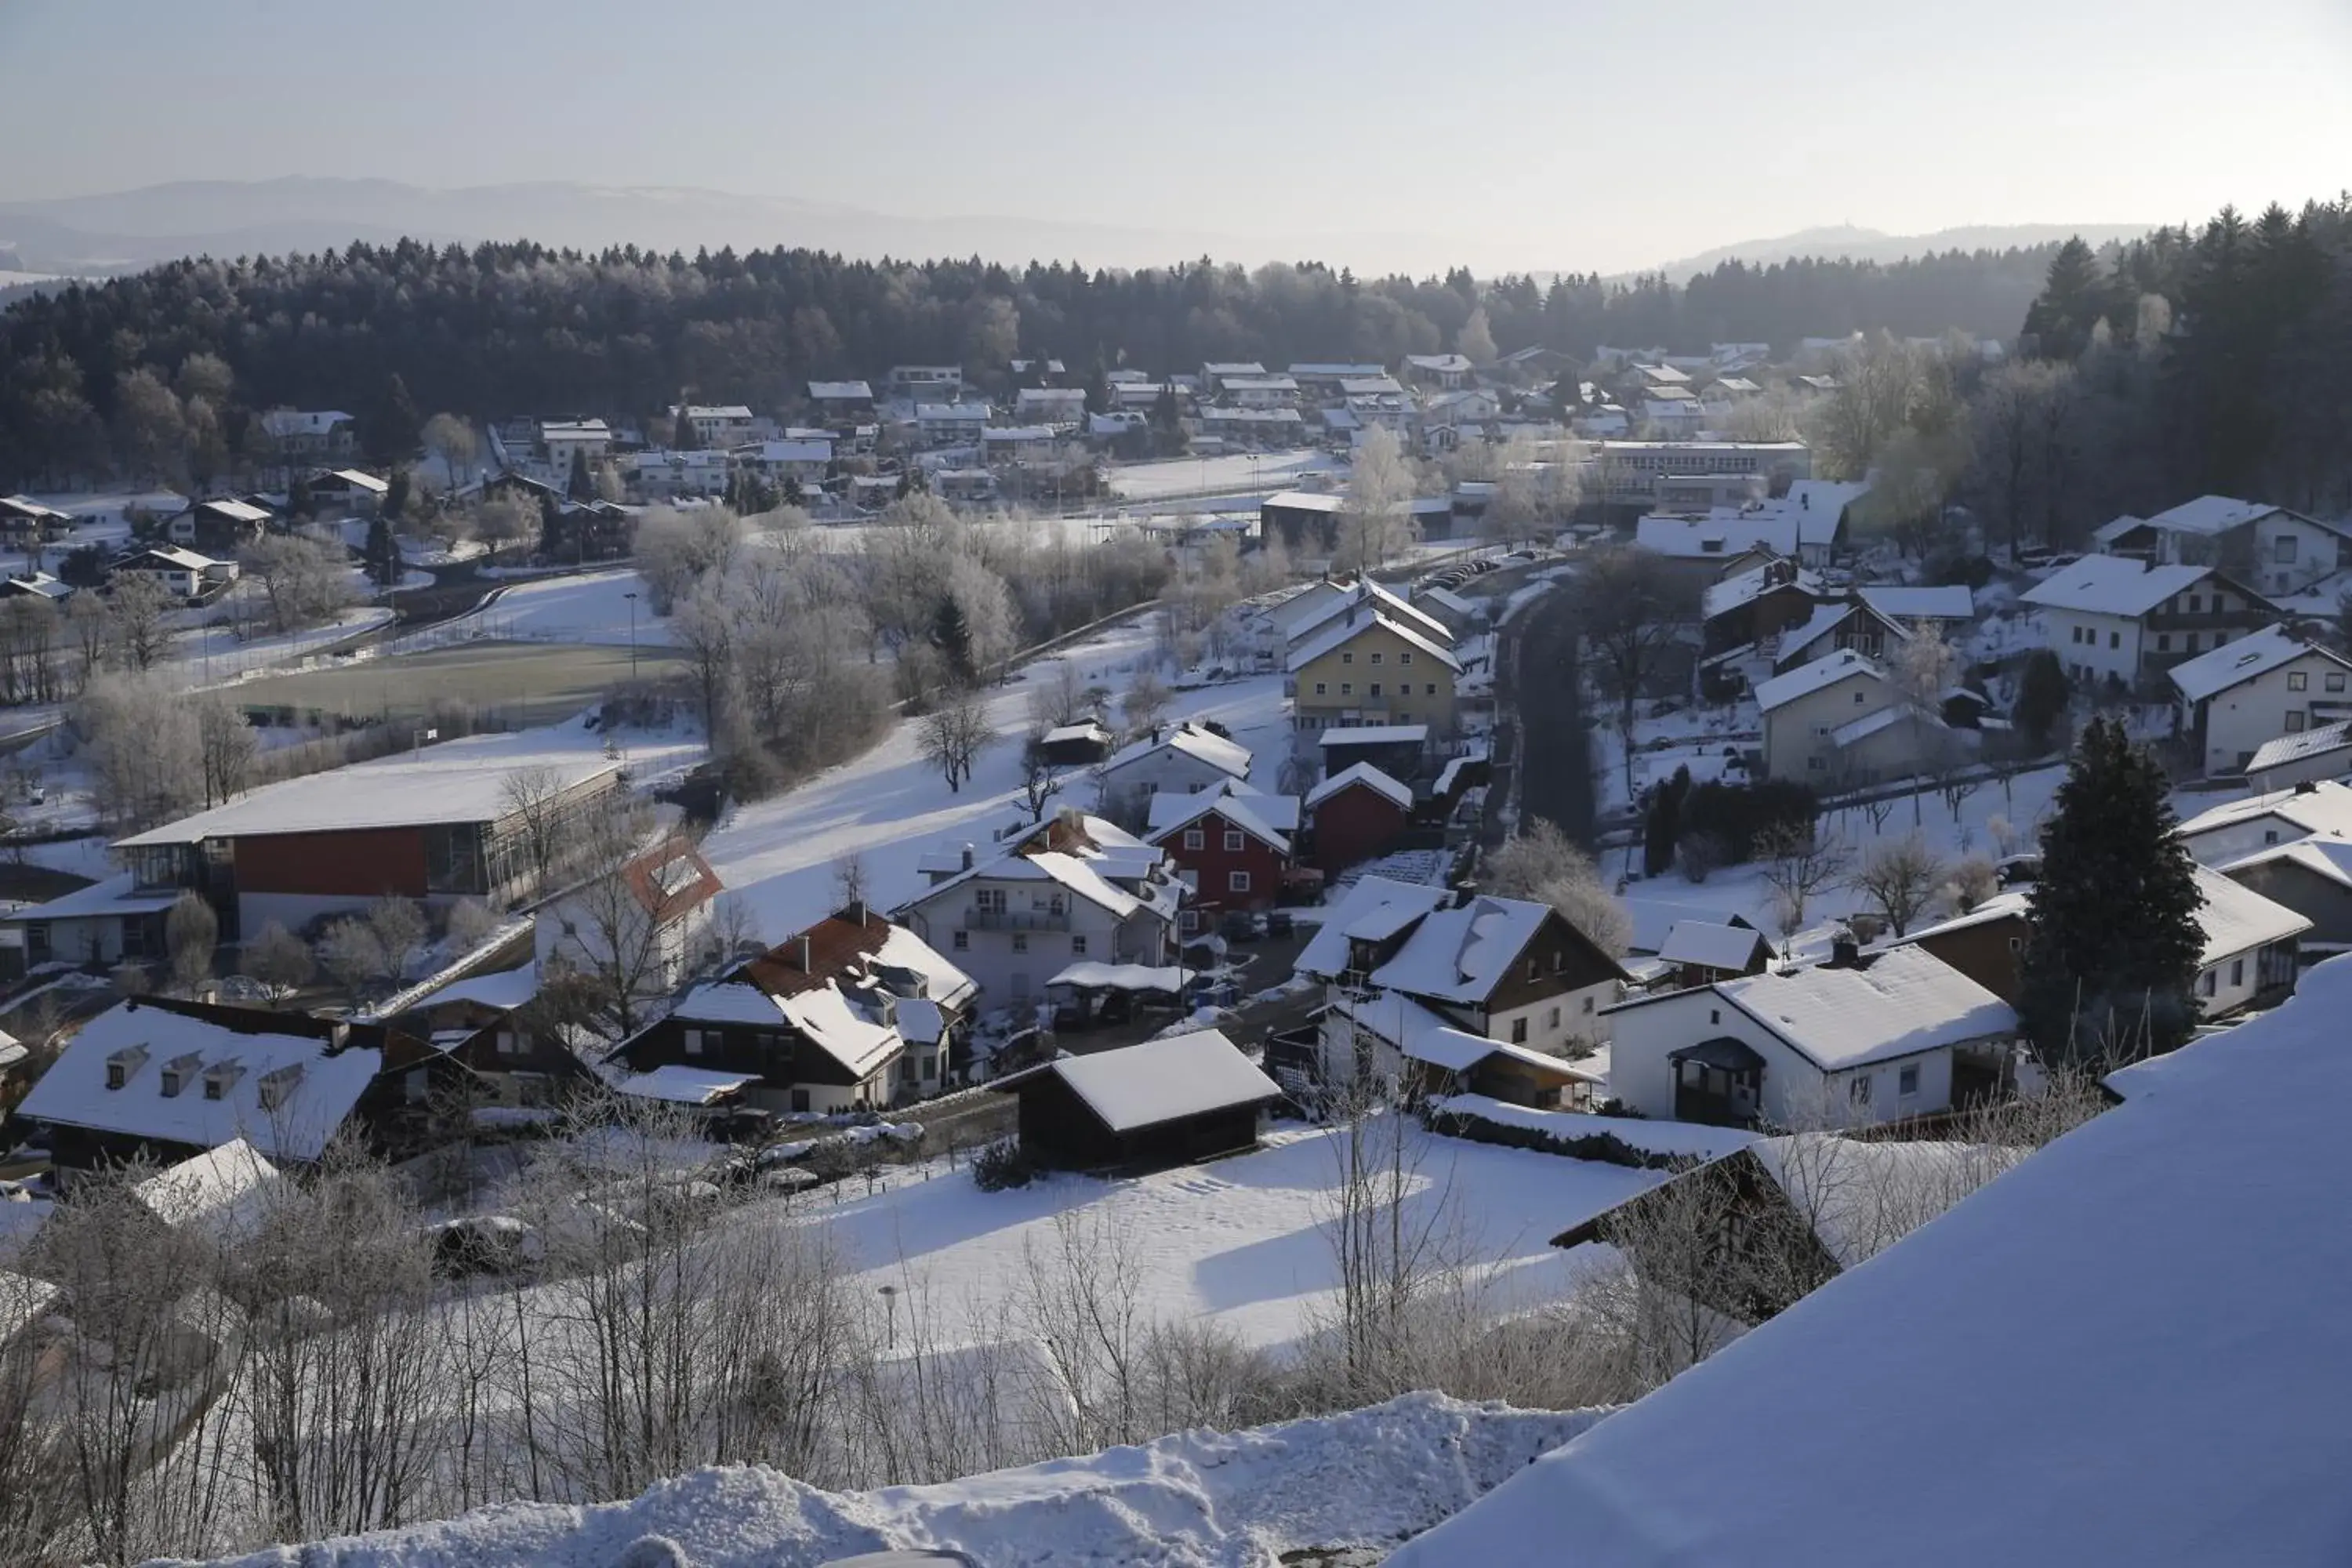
(1355, 814)
(1230, 845)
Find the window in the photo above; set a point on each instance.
(171, 1082)
(2075, 633)
(1237, 881)
(213, 1088)
(1347, 657)
(1376, 659)
(2192, 641)
(1429, 689)
(1020, 941)
(2294, 720)
(1347, 689)
(2196, 603)
(2114, 639)
(991, 899)
(1551, 1019)
(2298, 680)
(2335, 680)
(1322, 688)
(2283, 550)
(2270, 836)
(2237, 972)
(1233, 840)
(1402, 714)
(800, 1095)
(1196, 838)
(961, 942)
(1588, 1005)
(1907, 1082)
(507, 1042)
(1818, 765)
(1405, 658)
(2205, 982)
(694, 1042)
(1714, 1014)
(1078, 945)
(1858, 697)
(1858, 1091)
(1518, 1031)
(2164, 642)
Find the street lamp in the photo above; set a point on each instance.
(890, 1294)
(632, 598)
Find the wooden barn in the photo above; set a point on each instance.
(1163, 1102)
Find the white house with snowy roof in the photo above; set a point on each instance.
(2284, 761)
(2236, 829)
(1863, 1038)
(1173, 759)
(1805, 710)
(2194, 1234)
(2280, 551)
(2237, 698)
(2116, 617)
(1076, 886)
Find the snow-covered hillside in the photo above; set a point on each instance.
(1370, 1478)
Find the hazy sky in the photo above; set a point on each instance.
(1550, 133)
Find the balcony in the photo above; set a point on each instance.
(978, 918)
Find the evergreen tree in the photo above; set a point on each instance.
(582, 486)
(2114, 941)
(388, 432)
(396, 494)
(1098, 389)
(298, 499)
(952, 635)
(1662, 824)
(382, 552)
(682, 437)
(2059, 321)
(2042, 695)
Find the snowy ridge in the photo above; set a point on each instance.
(1197, 1500)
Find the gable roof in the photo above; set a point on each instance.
(1373, 898)
(2113, 585)
(1951, 602)
(314, 1081)
(1742, 588)
(1237, 810)
(1463, 955)
(1826, 618)
(2325, 807)
(2250, 657)
(1159, 1081)
(2211, 515)
(1189, 738)
(1719, 534)
(2322, 854)
(1897, 1002)
(2281, 750)
(1364, 590)
(838, 391)
(1347, 630)
(1361, 775)
(2194, 1235)
(1710, 945)
(2235, 919)
(1808, 678)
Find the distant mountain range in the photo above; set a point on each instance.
(126, 230)
(1844, 242)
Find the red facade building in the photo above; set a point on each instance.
(1228, 848)
(1355, 815)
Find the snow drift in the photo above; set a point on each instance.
(1215, 1499)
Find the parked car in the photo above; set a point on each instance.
(1240, 925)
(2015, 870)
(1280, 923)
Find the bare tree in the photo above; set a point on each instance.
(1376, 522)
(850, 882)
(1800, 861)
(305, 583)
(622, 951)
(139, 607)
(953, 735)
(451, 439)
(278, 961)
(141, 744)
(1058, 697)
(190, 933)
(677, 550)
(1144, 704)
(1632, 609)
(534, 798)
(1039, 783)
(1899, 878)
(227, 744)
(1973, 882)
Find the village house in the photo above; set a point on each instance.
(2236, 829)
(1322, 378)
(296, 436)
(1368, 664)
(435, 824)
(1050, 405)
(1232, 845)
(925, 383)
(1444, 371)
(483, 1020)
(642, 924)
(1258, 390)
(1078, 745)
(1216, 373)
(842, 400)
(2111, 617)
(950, 424)
(160, 1078)
(1861, 1038)
(1701, 952)
(94, 928)
(186, 572)
(1308, 614)
(1417, 1054)
(2313, 878)
(1175, 759)
(222, 526)
(354, 491)
(1074, 886)
(1355, 815)
(724, 426)
(2237, 698)
(1837, 625)
(2279, 552)
(25, 522)
(1170, 1101)
(1811, 718)
(1762, 601)
(1629, 473)
(2286, 760)
(854, 1012)
(562, 442)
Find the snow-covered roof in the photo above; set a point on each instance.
(25, 506)
(234, 510)
(1952, 602)
(112, 896)
(1202, 745)
(1161, 1080)
(1856, 731)
(922, 1022)
(1091, 730)
(1898, 1003)
(363, 479)
(1826, 618)
(2250, 657)
(2281, 750)
(2113, 585)
(1808, 678)
(677, 1085)
(505, 989)
(1171, 813)
(1462, 954)
(286, 1093)
(1710, 944)
(1306, 500)
(2235, 919)
(1367, 776)
(2014, 903)
(284, 422)
(1345, 735)
(2108, 532)
(1325, 954)
(171, 555)
(457, 781)
(835, 390)
(2193, 1234)
(1719, 535)
(801, 450)
(1746, 587)
(1452, 602)
(1844, 1188)
(1321, 608)
(2211, 515)
(2322, 854)
(2323, 807)
(221, 1190)
(1092, 975)
(838, 1026)
(944, 983)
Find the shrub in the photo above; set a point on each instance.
(1737, 815)
(1605, 1147)
(1001, 1165)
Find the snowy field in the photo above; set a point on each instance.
(594, 609)
(1267, 471)
(890, 807)
(1238, 1242)
(1197, 1500)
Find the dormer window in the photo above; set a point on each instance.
(220, 1078)
(176, 1073)
(124, 1065)
(278, 1087)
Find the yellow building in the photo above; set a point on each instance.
(1369, 667)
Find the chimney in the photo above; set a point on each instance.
(338, 1033)
(2306, 786)
(1845, 951)
(857, 911)
(804, 955)
(1805, 501)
